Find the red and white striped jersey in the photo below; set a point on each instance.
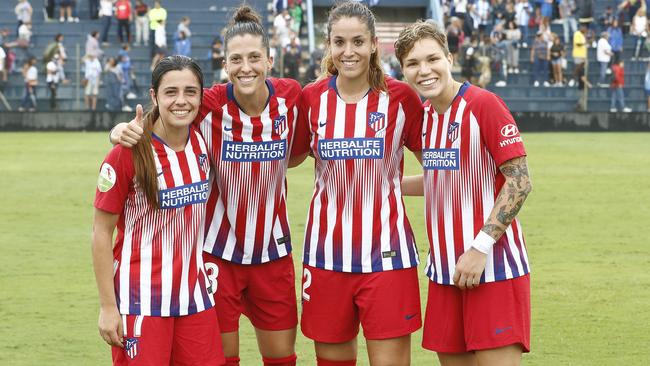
(246, 212)
(462, 151)
(356, 220)
(157, 255)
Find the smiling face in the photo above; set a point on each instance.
(247, 64)
(351, 45)
(178, 98)
(427, 69)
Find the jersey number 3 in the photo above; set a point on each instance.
(212, 271)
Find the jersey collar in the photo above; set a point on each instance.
(230, 91)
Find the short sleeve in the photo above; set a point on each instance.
(414, 113)
(499, 130)
(301, 136)
(210, 101)
(115, 180)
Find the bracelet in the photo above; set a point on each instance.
(483, 242)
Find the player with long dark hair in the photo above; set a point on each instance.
(155, 301)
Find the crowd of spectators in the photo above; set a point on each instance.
(487, 36)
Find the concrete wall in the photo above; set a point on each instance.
(528, 121)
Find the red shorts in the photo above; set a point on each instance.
(265, 293)
(494, 315)
(180, 340)
(387, 304)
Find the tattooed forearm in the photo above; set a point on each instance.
(511, 197)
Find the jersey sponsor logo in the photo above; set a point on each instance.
(351, 148)
(188, 194)
(204, 163)
(453, 131)
(511, 141)
(253, 151)
(106, 179)
(280, 124)
(441, 159)
(509, 130)
(131, 347)
(377, 121)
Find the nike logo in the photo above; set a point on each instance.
(501, 330)
(424, 134)
(322, 124)
(159, 174)
(409, 317)
(227, 128)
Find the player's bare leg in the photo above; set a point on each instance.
(276, 343)
(337, 351)
(390, 352)
(503, 356)
(230, 342)
(458, 359)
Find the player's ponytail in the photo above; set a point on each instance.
(146, 176)
(353, 9)
(245, 20)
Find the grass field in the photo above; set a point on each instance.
(586, 225)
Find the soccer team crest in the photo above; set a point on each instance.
(131, 347)
(453, 131)
(204, 163)
(280, 124)
(377, 121)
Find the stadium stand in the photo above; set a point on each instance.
(208, 17)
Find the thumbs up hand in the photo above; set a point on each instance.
(128, 134)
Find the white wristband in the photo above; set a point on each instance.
(483, 242)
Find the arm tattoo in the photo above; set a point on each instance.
(511, 197)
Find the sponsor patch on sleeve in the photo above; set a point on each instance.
(106, 179)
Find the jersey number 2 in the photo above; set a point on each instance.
(305, 285)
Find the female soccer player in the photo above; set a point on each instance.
(248, 125)
(475, 182)
(360, 258)
(155, 302)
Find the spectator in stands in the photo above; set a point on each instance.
(469, 63)
(618, 83)
(583, 87)
(160, 41)
(75, 14)
(157, 18)
(498, 11)
(52, 78)
(522, 17)
(510, 14)
(65, 8)
(106, 16)
(579, 49)
(182, 45)
(113, 79)
(3, 69)
(313, 71)
(615, 37)
(23, 12)
(639, 29)
(483, 9)
(557, 59)
(49, 10)
(603, 56)
(30, 76)
(216, 59)
(484, 61)
(92, 45)
(569, 23)
(546, 10)
(124, 61)
(184, 26)
(141, 23)
(498, 54)
(281, 26)
(513, 38)
(296, 17)
(124, 16)
(92, 73)
(93, 9)
(454, 37)
(24, 35)
(585, 12)
(605, 19)
(292, 62)
(539, 57)
(646, 85)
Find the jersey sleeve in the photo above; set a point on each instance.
(499, 130)
(211, 100)
(414, 113)
(301, 135)
(115, 180)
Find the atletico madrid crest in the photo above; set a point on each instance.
(377, 121)
(453, 131)
(204, 163)
(280, 124)
(131, 347)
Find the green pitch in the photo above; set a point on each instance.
(586, 225)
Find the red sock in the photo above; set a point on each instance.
(232, 361)
(324, 362)
(284, 361)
